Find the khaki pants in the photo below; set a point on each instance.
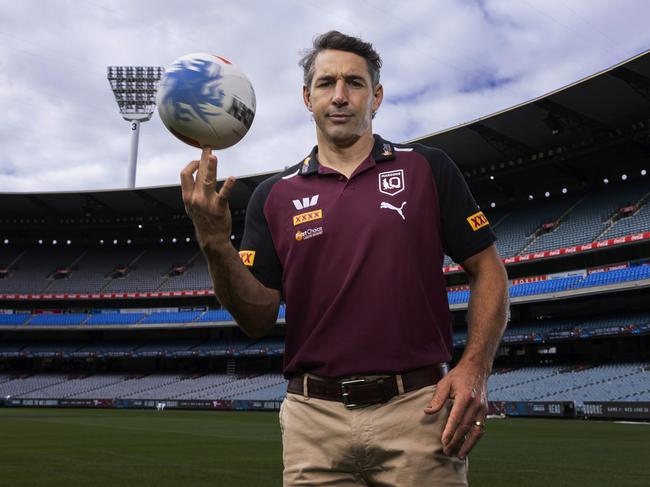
(393, 444)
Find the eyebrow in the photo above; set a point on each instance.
(349, 77)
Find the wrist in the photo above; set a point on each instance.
(213, 245)
(478, 365)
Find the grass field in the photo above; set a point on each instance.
(75, 447)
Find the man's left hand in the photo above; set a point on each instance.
(466, 386)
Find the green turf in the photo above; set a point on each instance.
(74, 447)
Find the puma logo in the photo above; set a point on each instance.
(391, 207)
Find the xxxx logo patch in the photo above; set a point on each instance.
(307, 217)
(477, 221)
(247, 257)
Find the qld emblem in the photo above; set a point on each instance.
(391, 182)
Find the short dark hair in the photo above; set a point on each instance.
(336, 40)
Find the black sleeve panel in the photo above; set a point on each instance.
(465, 229)
(257, 250)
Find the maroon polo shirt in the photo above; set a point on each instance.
(359, 260)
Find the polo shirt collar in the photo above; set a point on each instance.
(381, 151)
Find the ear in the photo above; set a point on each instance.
(306, 97)
(378, 97)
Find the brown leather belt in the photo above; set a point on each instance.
(360, 391)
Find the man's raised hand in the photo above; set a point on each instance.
(207, 208)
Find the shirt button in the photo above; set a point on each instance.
(341, 178)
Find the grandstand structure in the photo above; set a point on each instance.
(104, 295)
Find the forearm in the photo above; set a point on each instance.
(486, 317)
(253, 305)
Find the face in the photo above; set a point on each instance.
(341, 97)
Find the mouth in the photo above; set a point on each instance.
(339, 116)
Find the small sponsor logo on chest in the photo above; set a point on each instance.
(309, 233)
(399, 210)
(392, 182)
(308, 216)
(305, 202)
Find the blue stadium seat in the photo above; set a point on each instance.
(215, 315)
(171, 317)
(58, 319)
(115, 318)
(14, 319)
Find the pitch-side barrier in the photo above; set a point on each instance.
(548, 409)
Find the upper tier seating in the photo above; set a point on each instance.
(151, 269)
(91, 273)
(635, 223)
(515, 229)
(30, 273)
(590, 218)
(579, 219)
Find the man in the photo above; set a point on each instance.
(353, 238)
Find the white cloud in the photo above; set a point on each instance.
(445, 63)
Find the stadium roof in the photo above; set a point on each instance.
(561, 138)
(612, 99)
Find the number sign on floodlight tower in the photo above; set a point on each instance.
(135, 88)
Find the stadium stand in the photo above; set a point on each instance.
(92, 272)
(14, 319)
(195, 277)
(515, 231)
(575, 220)
(637, 222)
(541, 287)
(549, 330)
(150, 270)
(612, 277)
(121, 318)
(171, 317)
(215, 315)
(58, 319)
(589, 219)
(32, 271)
(594, 279)
(610, 382)
(614, 382)
(115, 318)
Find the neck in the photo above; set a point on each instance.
(344, 159)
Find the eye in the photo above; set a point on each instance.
(356, 83)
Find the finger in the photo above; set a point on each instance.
(454, 420)
(207, 175)
(226, 188)
(465, 427)
(440, 396)
(475, 434)
(206, 152)
(187, 180)
(209, 181)
(187, 176)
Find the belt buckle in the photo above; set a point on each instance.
(345, 395)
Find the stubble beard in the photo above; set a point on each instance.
(341, 136)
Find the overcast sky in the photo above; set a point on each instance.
(446, 62)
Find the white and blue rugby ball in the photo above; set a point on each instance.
(205, 100)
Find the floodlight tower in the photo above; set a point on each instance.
(135, 88)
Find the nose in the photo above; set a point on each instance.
(340, 93)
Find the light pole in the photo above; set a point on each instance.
(135, 88)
